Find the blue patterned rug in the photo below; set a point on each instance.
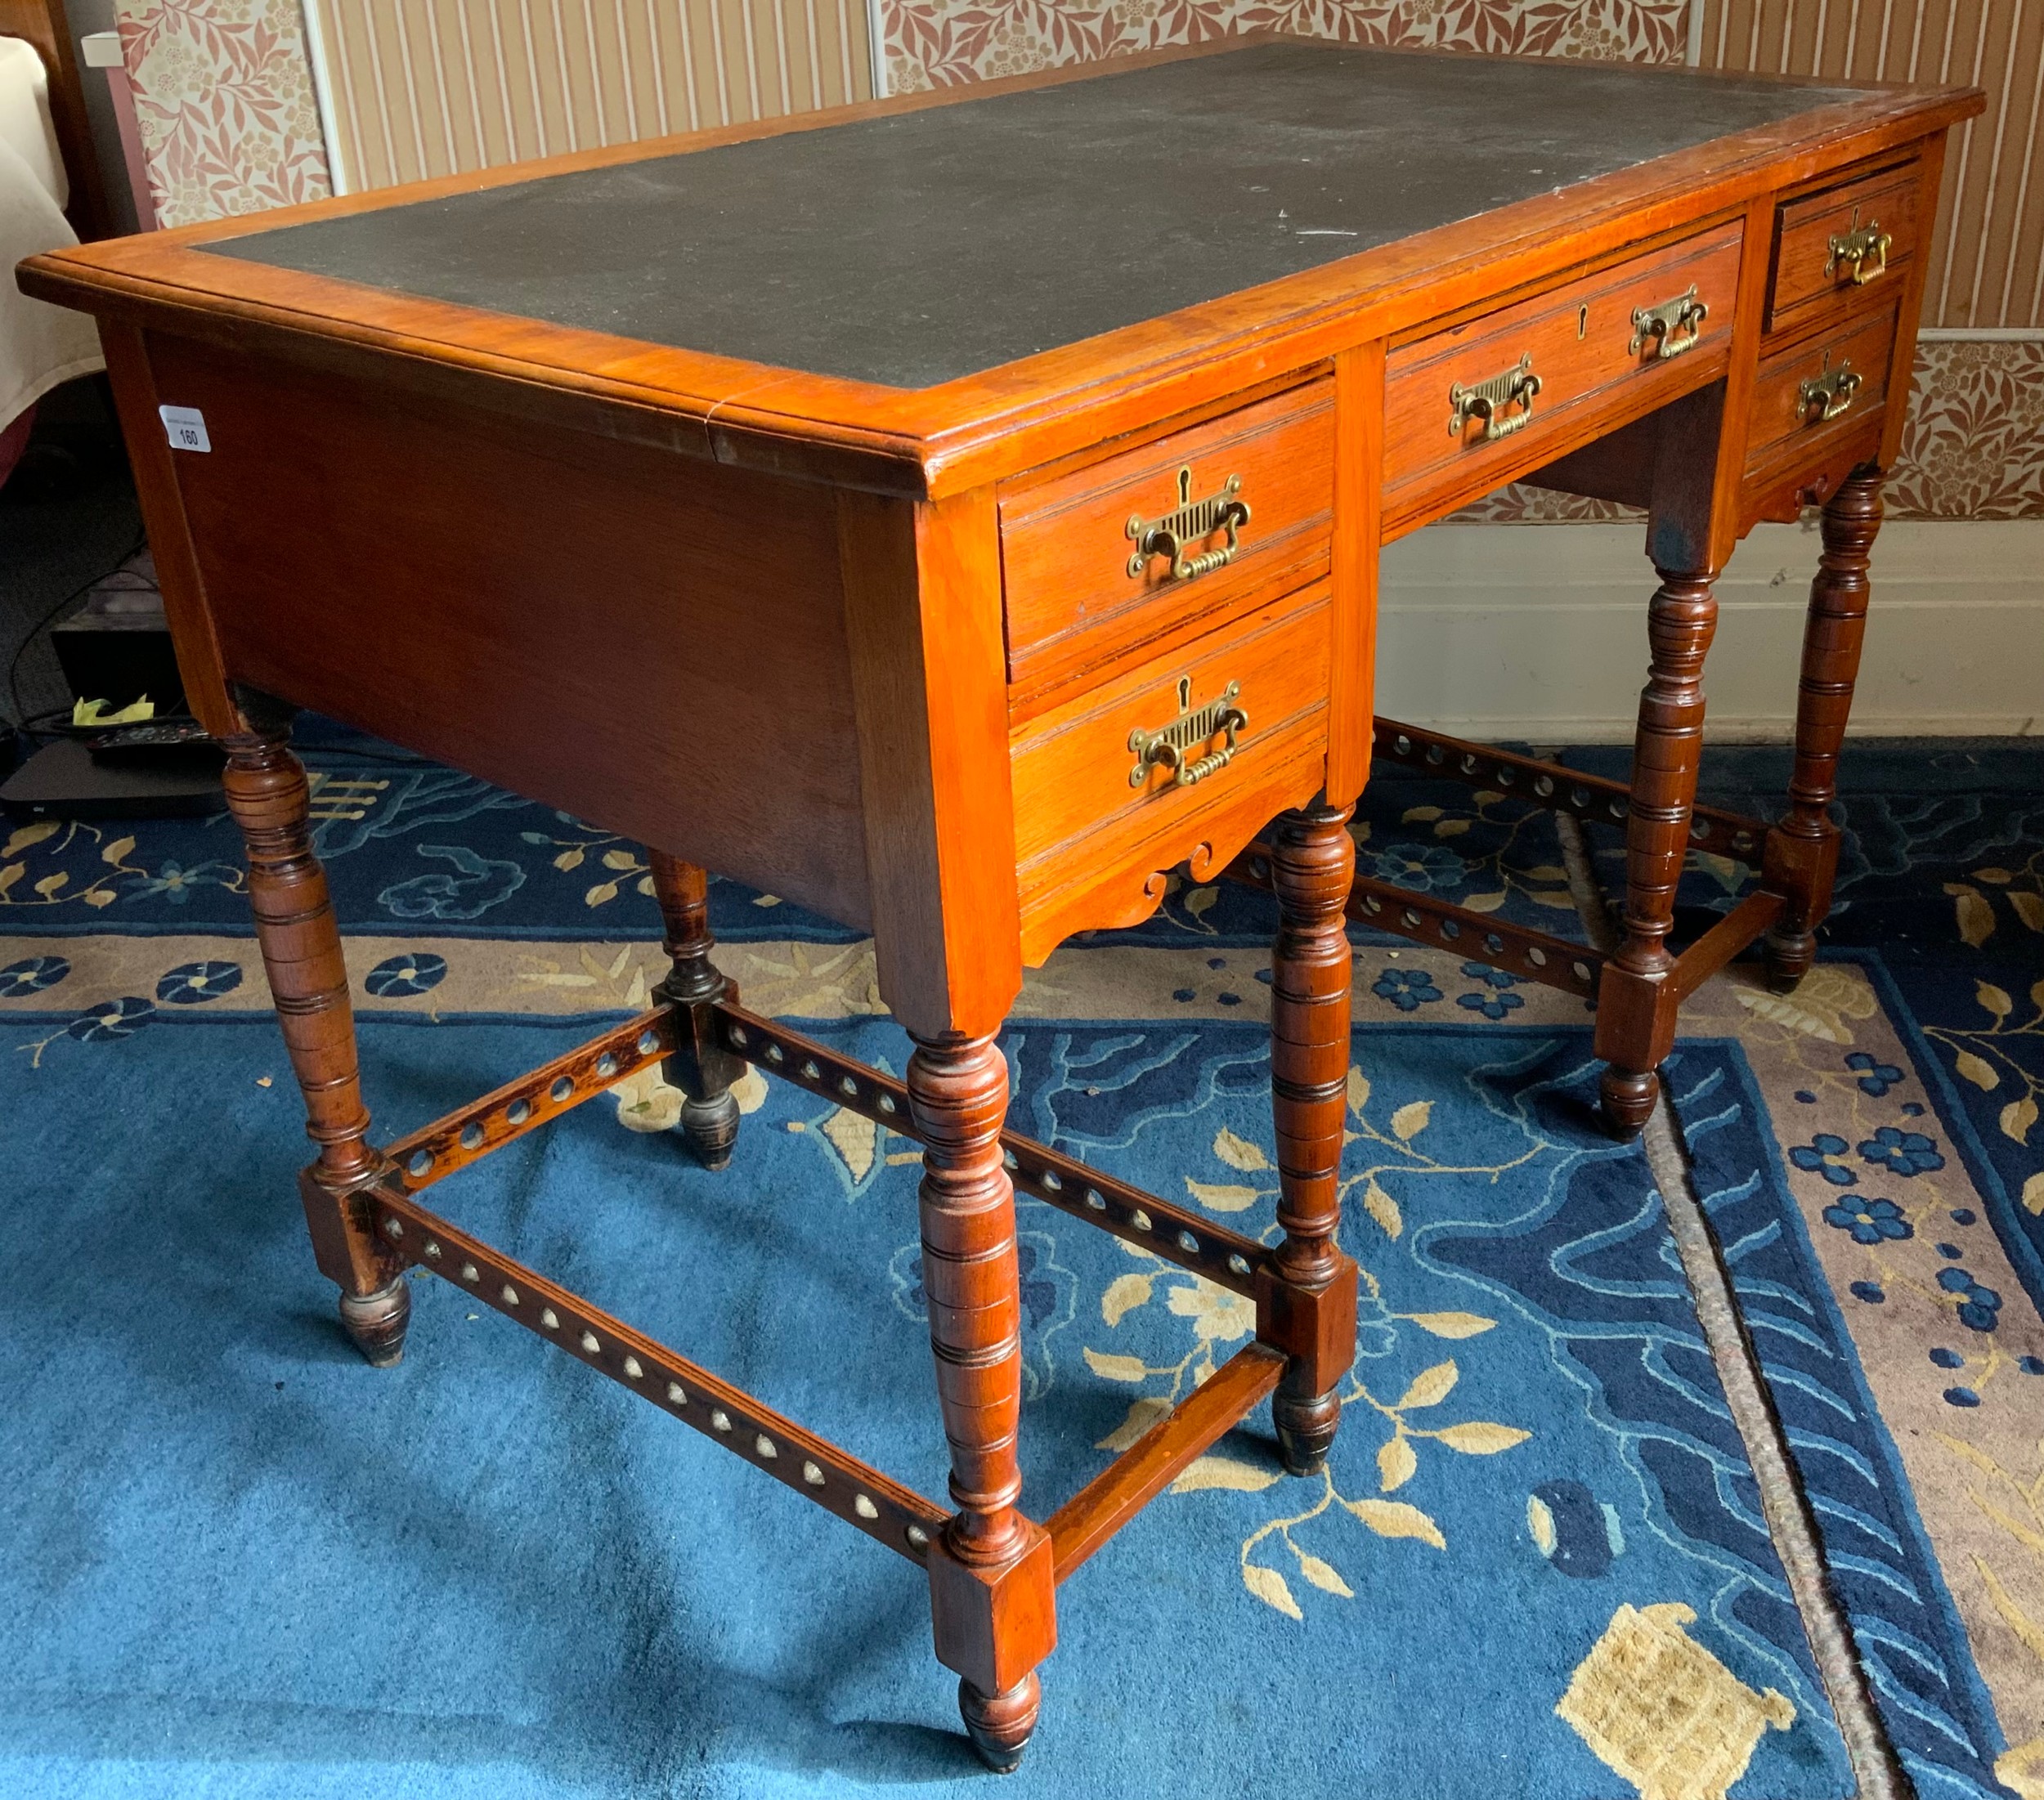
(249, 1557)
(244, 1563)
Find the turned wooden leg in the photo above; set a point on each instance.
(1312, 861)
(1801, 858)
(268, 795)
(992, 1603)
(1636, 1001)
(1000, 1725)
(700, 1066)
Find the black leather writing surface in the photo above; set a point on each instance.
(912, 249)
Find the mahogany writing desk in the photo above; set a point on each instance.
(955, 513)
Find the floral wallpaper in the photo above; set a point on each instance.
(1974, 445)
(223, 97)
(932, 43)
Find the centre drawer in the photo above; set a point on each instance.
(1467, 407)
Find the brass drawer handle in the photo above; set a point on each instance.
(1673, 326)
(1856, 249)
(1190, 730)
(1832, 390)
(1192, 522)
(1492, 401)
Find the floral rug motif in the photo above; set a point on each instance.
(1532, 1432)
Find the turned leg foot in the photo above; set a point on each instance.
(701, 1066)
(1788, 956)
(1305, 1428)
(1000, 1725)
(1628, 1097)
(375, 1324)
(710, 1129)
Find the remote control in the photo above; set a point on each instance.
(167, 735)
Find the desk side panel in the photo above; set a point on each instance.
(653, 643)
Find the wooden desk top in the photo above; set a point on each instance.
(920, 295)
(917, 248)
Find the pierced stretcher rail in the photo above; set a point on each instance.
(886, 1511)
(1535, 956)
(895, 1515)
(436, 1151)
(1711, 828)
(1224, 1257)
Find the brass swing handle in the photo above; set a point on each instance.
(1493, 401)
(1833, 390)
(1853, 250)
(1192, 730)
(1673, 327)
(1192, 522)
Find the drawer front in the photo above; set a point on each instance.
(1854, 236)
(1808, 395)
(1186, 756)
(1216, 516)
(1464, 401)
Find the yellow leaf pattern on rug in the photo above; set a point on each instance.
(1219, 1316)
(1431, 1387)
(1397, 1463)
(1383, 1208)
(1220, 1471)
(1452, 1325)
(1975, 916)
(1268, 1586)
(1142, 1415)
(1238, 1153)
(1978, 1070)
(1358, 1090)
(1216, 1313)
(2017, 1117)
(1482, 1437)
(1324, 1576)
(1115, 1368)
(1394, 1519)
(1226, 1197)
(1123, 1292)
(1827, 998)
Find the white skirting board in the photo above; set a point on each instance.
(1538, 632)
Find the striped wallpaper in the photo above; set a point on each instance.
(416, 87)
(1987, 265)
(420, 87)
